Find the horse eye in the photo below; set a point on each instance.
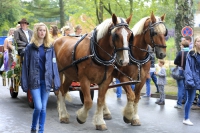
(115, 36)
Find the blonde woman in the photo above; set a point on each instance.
(39, 71)
(9, 40)
(8, 48)
(192, 78)
(66, 30)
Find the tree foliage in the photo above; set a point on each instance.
(9, 10)
(94, 11)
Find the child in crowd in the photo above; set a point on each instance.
(161, 82)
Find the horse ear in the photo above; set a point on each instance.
(153, 19)
(129, 19)
(114, 19)
(163, 17)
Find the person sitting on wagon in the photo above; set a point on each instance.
(8, 48)
(22, 36)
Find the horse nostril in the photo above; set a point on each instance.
(121, 62)
(162, 55)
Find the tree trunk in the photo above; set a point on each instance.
(62, 14)
(131, 6)
(184, 17)
(99, 11)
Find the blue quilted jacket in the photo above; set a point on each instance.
(30, 70)
(192, 71)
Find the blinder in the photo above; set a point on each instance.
(131, 37)
(153, 33)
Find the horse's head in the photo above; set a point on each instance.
(117, 37)
(155, 32)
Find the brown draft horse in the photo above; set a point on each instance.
(148, 31)
(90, 60)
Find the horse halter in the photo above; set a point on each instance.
(153, 33)
(122, 24)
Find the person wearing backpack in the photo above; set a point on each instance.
(180, 61)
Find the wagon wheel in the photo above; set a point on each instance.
(13, 94)
(82, 97)
(30, 99)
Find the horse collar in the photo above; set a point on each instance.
(140, 62)
(93, 51)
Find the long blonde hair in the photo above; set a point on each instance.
(47, 38)
(194, 46)
(11, 31)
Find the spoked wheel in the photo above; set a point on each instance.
(12, 93)
(30, 99)
(82, 97)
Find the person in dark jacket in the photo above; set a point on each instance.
(39, 73)
(181, 97)
(192, 78)
(22, 36)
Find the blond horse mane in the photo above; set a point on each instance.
(102, 28)
(138, 28)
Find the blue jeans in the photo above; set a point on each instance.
(181, 92)
(133, 87)
(119, 89)
(40, 98)
(154, 78)
(190, 93)
(148, 87)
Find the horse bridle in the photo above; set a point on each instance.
(93, 44)
(153, 33)
(122, 24)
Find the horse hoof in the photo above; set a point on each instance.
(64, 120)
(135, 123)
(126, 120)
(79, 121)
(101, 127)
(107, 117)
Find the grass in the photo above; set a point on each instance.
(172, 84)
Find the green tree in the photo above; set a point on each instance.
(47, 10)
(184, 17)
(9, 12)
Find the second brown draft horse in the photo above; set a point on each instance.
(90, 60)
(148, 31)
